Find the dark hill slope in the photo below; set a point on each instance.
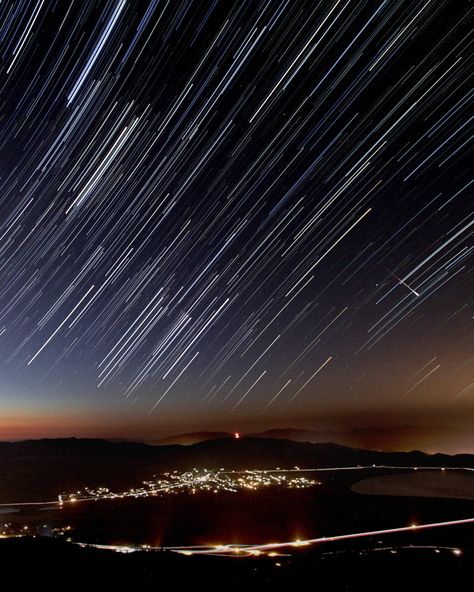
(38, 470)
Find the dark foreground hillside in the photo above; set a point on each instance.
(55, 565)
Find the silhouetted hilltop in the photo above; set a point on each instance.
(445, 439)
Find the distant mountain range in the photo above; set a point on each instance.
(388, 439)
(37, 470)
(191, 438)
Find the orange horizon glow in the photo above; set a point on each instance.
(430, 439)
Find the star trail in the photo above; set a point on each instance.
(235, 209)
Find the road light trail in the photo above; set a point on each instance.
(196, 550)
(248, 550)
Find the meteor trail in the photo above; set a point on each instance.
(400, 281)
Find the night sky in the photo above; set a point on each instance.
(219, 214)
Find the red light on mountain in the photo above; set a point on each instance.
(236, 435)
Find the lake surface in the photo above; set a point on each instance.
(440, 484)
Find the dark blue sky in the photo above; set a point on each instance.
(224, 213)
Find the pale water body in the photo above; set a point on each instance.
(436, 484)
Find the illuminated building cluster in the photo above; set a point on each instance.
(195, 481)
